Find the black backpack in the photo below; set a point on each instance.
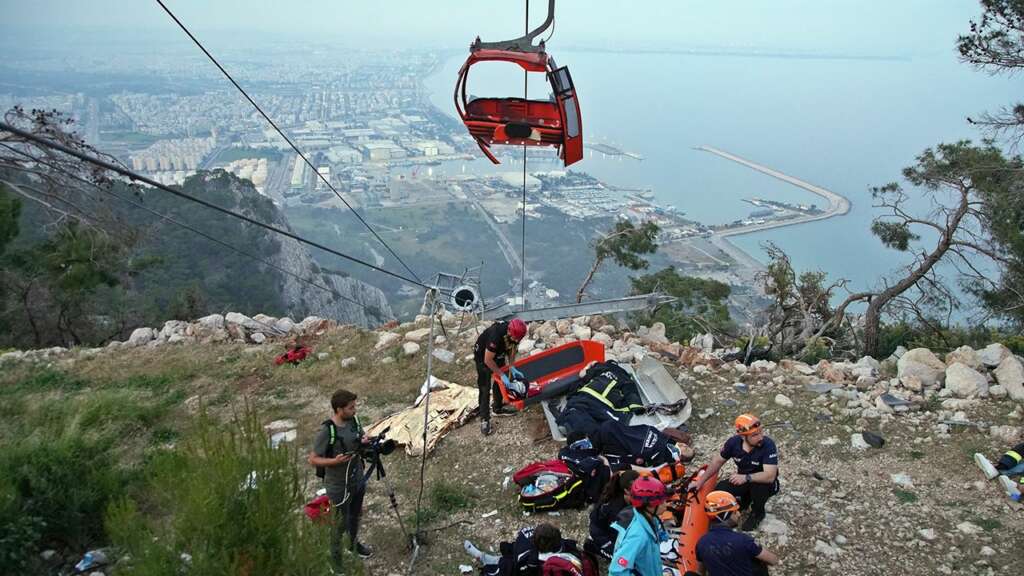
(329, 453)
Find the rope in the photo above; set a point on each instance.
(288, 140)
(140, 178)
(522, 277)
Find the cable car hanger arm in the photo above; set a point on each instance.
(523, 43)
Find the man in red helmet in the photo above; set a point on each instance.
(495, 347)
(757, 469)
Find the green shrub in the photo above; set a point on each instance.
(229, 501)
(62, 485)
(815, 351)
(450, 497)
(19, 531)
(46, 380)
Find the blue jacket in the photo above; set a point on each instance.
(637, 550)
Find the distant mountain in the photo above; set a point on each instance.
(228, 280)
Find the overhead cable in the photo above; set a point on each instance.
(188, 227)
(286, 139)
(149, 181)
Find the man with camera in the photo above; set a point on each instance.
(338, 452)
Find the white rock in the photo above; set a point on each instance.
(322, 355)
(284, 325)
(258, 337)
(857, 442)
(141, 336)
(176, 339)
(310, 322)
(387, 360)
(968, 528)
(966, 356)
(993, 354)
(997, 391)
(965, 382)
(410, 348)
(602, 338)
(212, 322)
(347, 362)
(822, 547)
(417, 335)
(526, 345)
(446, 356)
(922, 364)
(386, 339)
(581, 321)
(563, 326)
(987, 551)
(15, 356)
(1010, 375)
(902, 480)
(242, 320)
(927, 533)
(582, 332)
(1008, 434)
(762, 365)
(839, 539)
(772, 525)
(783, 400)
(830, 441)
(656, 333)
(172, 327)
(114, 345)
(869, 362)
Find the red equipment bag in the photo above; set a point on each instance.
(293, 356)
(318, 509)
(559, 487)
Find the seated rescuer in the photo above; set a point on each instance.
(337, 449)
(637, 549)
(535, 551)
(496, 346)
(757, 468)
(723, 552)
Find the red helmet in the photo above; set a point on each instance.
(647, 490)
(516, 329)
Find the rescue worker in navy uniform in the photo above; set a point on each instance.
(724, 552)
(757, 469)
(495, 347)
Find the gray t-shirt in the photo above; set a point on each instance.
(346, 441)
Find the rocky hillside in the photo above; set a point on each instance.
(876, 456)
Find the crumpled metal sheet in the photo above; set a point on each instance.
(450, 406)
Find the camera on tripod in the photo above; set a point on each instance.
(378, 446)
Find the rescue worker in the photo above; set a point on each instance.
(615, 498)
(757, 469)
(725, 552)
(637, 549)
(1012, 462)
(495, 347)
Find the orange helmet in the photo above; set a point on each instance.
(747, 424)
(720, 501)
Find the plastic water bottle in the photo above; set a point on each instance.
(1010, 488)
(985, 465)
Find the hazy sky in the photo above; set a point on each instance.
(875, 27)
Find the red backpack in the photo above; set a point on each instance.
(565, 564)
(562, 488)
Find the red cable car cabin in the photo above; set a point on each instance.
(518, 121)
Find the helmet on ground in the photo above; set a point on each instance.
(747, 424)
(516, 329)
(647, 490)
(720, 501)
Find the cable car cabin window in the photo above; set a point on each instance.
(572, 127)
(562, 80)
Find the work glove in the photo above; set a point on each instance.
(504, 380)
(516, 373)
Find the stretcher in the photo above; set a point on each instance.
(555, 372)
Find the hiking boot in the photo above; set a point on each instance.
(752, 522)
(363, 550)
(485, 427)
(503, 411)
